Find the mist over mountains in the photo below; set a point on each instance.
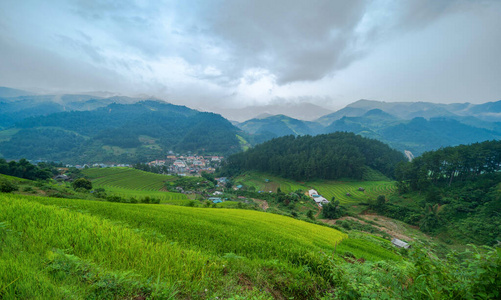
(83, 127)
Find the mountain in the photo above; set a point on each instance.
(16, 109)
(401, 125)
(300, 111)
(490, 111)
(6, 92)
(279, 125)
(119, 132)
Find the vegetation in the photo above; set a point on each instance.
(24, 169)
(116, 250)
(123, 133)
(128, 183)
(457, 193)
(332, 156)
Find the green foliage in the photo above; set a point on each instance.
(116, 133)
(332, 210)
(24, 169)
(82, 183)
(7, 186)
(132, 183)
(189, 184)
(332, 156)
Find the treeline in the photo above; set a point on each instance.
(151, 169)
(24, 169)
(450, 164)
(457, 192)
(330, 156)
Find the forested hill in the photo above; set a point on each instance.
(456, 193)
(328, 156)
(119, 133)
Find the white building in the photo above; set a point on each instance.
(312, 192)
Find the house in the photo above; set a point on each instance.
(179, 164)
(320, 200)
(312, 192)
(217, 193)
(400, 244)
(215, 199)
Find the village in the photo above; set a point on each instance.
(188, 165)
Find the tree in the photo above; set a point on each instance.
(332, 210)
(82, 183)
(310, 215)
(7, 186)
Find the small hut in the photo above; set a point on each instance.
(348, 194)
(361, 189)
(400, 243)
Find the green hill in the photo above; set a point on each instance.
(119, 133)
(332, 156)
(77, 248)
(128, 182)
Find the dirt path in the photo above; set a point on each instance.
(318, 212)
(262, 203)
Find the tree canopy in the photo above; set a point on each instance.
(329, 156)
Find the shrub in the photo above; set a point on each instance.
(82, 183)
(7, 186)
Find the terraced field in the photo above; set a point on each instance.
(326, 188)
(128, 182)
(197, 253)
(266, 182)
(339, 189)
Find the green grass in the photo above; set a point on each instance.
(339, 189)
(54, 248)
(327, 188)
(128, 182)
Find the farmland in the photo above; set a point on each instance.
(127, 182)
(150, 247)
(329, 189)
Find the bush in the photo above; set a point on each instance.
(7, 186)
(82, 183)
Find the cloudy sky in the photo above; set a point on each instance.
(235, 53)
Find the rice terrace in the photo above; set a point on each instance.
(250, 150)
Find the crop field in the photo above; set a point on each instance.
(194, 252)
(326, 188)
(339, 189)
(258, 181)
(128, 182)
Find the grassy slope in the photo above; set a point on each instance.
(128, 182)
(178, 248)
(327, 188)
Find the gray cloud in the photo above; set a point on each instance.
(226, 49)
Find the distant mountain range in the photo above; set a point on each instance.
(89, 128)
(413, 126)
(300, 111)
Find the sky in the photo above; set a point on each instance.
(237, 53)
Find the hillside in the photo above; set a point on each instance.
(331, 156)
(119, 132)
(128, 182)
(149, 250)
